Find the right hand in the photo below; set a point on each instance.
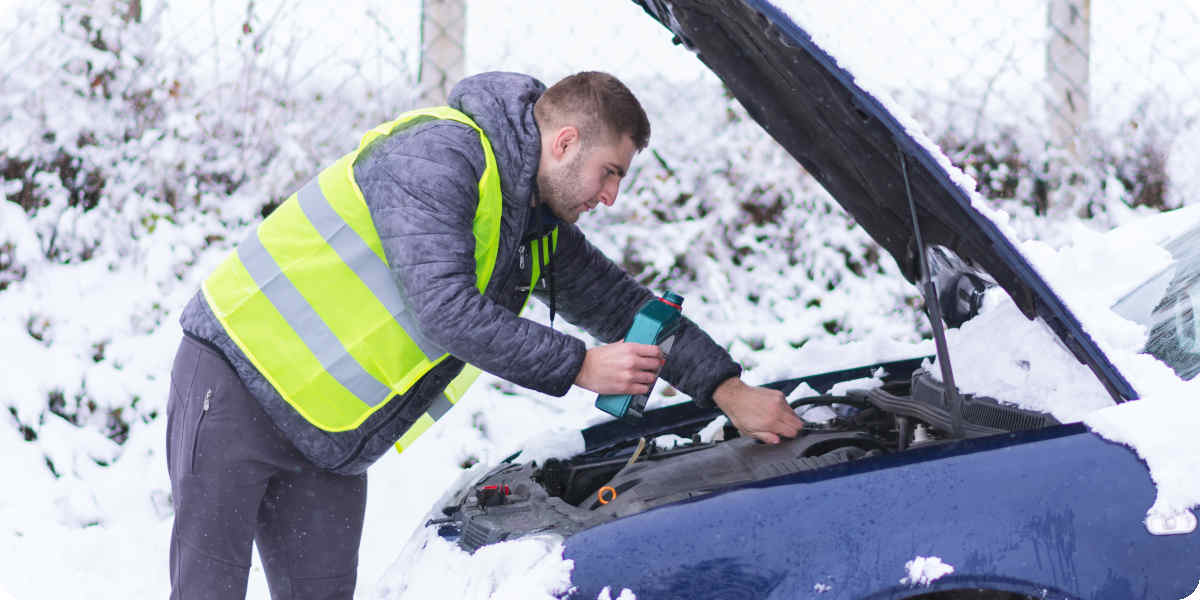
(759, 412)
(620, 368)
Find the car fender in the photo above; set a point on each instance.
(1057, 512)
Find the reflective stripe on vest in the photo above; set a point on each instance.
(310, 300)
(457, 388)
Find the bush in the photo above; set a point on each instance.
(127, 161)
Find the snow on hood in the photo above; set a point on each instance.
(1003, 355)
(924, 570)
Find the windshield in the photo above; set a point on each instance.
(1168, 304)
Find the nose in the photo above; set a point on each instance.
(608, 195)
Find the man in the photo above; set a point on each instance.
(339, 327)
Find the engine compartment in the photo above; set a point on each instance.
(681, 453)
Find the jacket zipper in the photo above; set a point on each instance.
(521, 274)
(196, 438)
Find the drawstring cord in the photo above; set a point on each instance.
(543, 222)
(546, 260)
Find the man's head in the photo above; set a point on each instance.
(591, 125)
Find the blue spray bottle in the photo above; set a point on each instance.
(657, 322)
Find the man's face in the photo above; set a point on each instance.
(574, 179)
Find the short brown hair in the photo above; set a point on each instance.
(596, 103)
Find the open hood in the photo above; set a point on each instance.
(853, 146)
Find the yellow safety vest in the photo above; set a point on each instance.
(309, 299)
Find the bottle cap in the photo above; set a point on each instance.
(673, 298)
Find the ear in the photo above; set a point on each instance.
(563, 142)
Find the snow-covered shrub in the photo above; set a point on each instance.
(129, 165)
(1120, 171)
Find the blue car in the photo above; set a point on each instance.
(910, 488)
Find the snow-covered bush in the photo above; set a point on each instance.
(130, 164)
(1119, 172)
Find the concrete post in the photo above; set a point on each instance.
(443, 48)
(1067, 63)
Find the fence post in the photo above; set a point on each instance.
(443, 51)
(1068, 53)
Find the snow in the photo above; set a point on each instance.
(670, 441)
(1160, 428)
(1027, 366)
(1195, 595)
(552, 443)
(924, 570)
(606, 594)
(531, 567)
(108, 325)
(865, 383)
(714, 431)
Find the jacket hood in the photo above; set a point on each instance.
(862, 154)
(502, 105)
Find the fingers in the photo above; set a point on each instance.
(790, 425)
(759, 412)
(787, 424)
(771, 432)
(643, 377)
(643, 349)
(766, 438)
(621, 368)
(641, 364)
(645, 363)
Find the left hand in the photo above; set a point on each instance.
(620, 368)
(756, 411)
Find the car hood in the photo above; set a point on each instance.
(846, 139)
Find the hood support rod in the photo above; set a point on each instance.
(929, 291)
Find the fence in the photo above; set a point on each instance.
(1031, 96)
(1077, 81)
(1065, 72)
(986, 59)
(1060, 65)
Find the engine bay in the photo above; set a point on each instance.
(681, 452)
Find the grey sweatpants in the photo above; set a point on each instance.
(235, 479)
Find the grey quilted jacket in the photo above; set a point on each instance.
(421, 186)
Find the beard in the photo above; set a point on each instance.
(558, 189)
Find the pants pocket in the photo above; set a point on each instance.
(183, 374)
(191, 397)
(193, 439)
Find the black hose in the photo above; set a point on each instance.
(826, 400)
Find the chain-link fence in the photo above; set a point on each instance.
(973, 66)
(985, 63)
(1066, 79)
(1075, 98)
(976, 66)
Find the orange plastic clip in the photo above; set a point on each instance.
(606, 491)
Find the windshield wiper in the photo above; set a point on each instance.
(929, 293)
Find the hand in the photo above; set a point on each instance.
(756, 411)
(620, 368)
